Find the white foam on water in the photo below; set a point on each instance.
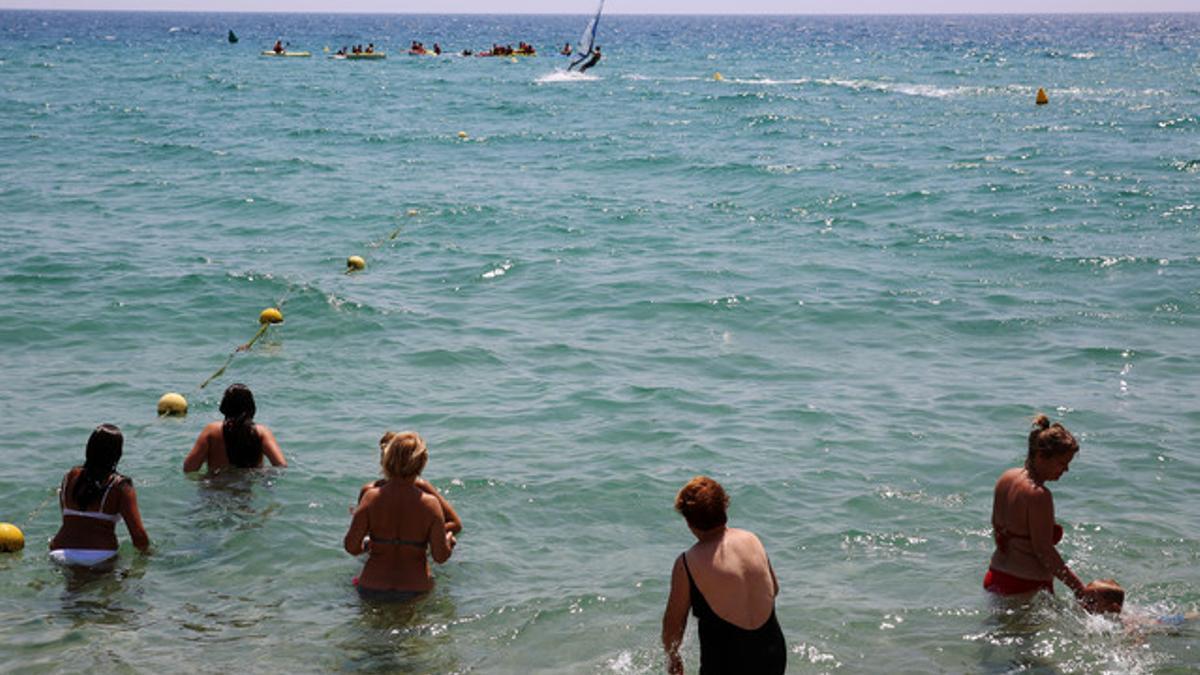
(564, 76)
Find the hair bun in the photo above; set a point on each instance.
(1041, 422)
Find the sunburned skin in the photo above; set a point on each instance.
(412, 521)
(1023, 524)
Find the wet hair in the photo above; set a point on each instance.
(1049, 440)
(702, 502)
(103, 452)
(243, 445)
(404, 456)
(1110, 597)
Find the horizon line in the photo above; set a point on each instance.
(760, 14)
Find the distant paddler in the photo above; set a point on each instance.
(278, 48)
(233, 38)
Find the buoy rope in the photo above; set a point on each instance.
(262, 329)
(38, 509)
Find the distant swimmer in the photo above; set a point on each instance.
(237, 441)
(566, 50)
(589, 61)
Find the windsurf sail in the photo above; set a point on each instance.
(588, 39)
(233, 38)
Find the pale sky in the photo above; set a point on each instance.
(624, 6)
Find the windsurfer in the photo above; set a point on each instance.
(591, 60)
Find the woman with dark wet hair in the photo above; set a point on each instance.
(237, 441)
(93, 498)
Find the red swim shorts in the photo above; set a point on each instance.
(1001, 583)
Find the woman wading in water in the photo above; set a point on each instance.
(396, 522)
(1023, 526)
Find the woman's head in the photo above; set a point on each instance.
(243, 445)
(104, 448)
(404, 455)
(702, 502)
(238, 402)
(1051, 448)
(103, 452)
(1105, 596)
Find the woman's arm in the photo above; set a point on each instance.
(453, 522)
(199, 454)
(674, 620)
(271, 447)
(441, 542)
(360, 524)
(1041, 536)
(133, 517)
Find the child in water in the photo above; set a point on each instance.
(1107, 597)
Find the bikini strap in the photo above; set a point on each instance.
(113, 480)
(62, 490)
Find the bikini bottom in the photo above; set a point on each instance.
(1002, 583)
(82, 557)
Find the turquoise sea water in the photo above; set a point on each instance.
(841, 280)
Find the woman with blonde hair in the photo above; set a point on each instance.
(396, 522)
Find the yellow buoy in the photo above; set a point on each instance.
(718, 77)
(1042, 99)
(270, 315)
(172, 404)
(413, 212)
(355, 262)
(11, 538)
(462, 134)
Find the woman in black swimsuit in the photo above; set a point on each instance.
(727, 581)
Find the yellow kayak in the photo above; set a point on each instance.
(271, 53)
(372, 55)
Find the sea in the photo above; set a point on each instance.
(837, 263)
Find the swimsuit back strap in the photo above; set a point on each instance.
(399, 542)
(113, 480)
(62, 491)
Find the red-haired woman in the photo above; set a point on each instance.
(1023, 524)
(726, 579)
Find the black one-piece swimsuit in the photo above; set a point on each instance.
(726, 648)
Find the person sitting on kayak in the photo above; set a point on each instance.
(437, 49)
(370, 47)
(278, 48)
